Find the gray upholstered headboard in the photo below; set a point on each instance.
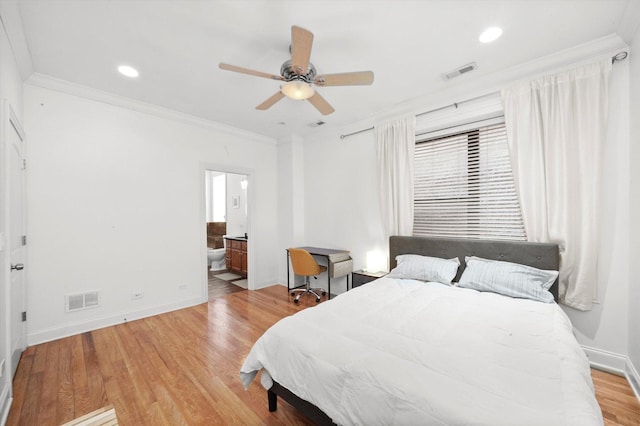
(538, 255)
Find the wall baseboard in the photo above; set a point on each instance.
(119, 318)
(598, 358)
(633, 377)
(5, 404)
(605, 360)
(614, 363)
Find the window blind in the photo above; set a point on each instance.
(463, 186)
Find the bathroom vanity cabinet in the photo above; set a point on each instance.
(236, 255)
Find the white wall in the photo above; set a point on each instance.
(215, 189)
(634, 196)
(236, 217)
(341, 200)
(116, 203)
(341, 197)
(290, 199)
(290, 192)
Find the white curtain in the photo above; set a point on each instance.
(556, 127)
(395, 145)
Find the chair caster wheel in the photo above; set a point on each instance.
(324, 293)
(293, 294)
(318, 300)
(296, 301)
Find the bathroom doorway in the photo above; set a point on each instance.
(226, 232)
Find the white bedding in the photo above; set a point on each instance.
(403, 352)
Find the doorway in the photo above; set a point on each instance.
(227, 234)
(12, 250)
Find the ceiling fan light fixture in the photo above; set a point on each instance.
(297, 89)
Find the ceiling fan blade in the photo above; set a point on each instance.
(269, 102)
(357, 78)
(321, 104)
(301, 41)
(255, 73)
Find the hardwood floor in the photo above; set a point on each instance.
(618, 402)
(219, 288)
(182, 368)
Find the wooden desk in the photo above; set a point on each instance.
(333, 257)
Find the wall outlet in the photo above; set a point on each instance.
(182, 286)
(137, 295)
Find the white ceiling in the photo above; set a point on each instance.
(177, 45)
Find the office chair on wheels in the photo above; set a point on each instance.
(305, 265)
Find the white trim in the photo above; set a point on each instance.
(12, 24)
(71, 329)
(632, 377)
(590, 51)
(614, 363)
(11, 123)
(52, 83)
(605, 360)
(266, 283)
(251, 215)
(5, 404)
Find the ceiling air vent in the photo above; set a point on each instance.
(459, 71)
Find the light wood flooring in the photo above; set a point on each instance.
(219, 288)
(182, 368)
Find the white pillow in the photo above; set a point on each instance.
(425, 268)
(509, 279)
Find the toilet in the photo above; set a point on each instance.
(216, 257)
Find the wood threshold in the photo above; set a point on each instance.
(183, 367)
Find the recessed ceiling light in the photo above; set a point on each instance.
(128, 71)
(490, 34)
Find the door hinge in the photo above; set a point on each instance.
(24, 316)
(24, 240)
(24, 164)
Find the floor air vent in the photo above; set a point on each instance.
(75, 302)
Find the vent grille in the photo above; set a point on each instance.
(459, 71)
(75, 302)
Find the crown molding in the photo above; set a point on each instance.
(494, 82)
(64, 86)
(559, 61)
(12, 23)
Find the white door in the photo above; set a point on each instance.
(16, 233)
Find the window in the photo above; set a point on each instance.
(463, 186)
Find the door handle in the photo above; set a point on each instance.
(17, 267)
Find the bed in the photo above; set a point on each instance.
(408, 351)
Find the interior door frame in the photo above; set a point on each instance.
(10, 122)
(251, 214)
(5, 335)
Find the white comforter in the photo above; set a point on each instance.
(402, 352)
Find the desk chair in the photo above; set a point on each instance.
(305, 265)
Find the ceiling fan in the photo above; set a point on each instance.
(299, 75)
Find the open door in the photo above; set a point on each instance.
(16, 236)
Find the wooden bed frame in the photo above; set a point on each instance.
(538, 255)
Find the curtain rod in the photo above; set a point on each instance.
(455, 105)
(615, 58)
